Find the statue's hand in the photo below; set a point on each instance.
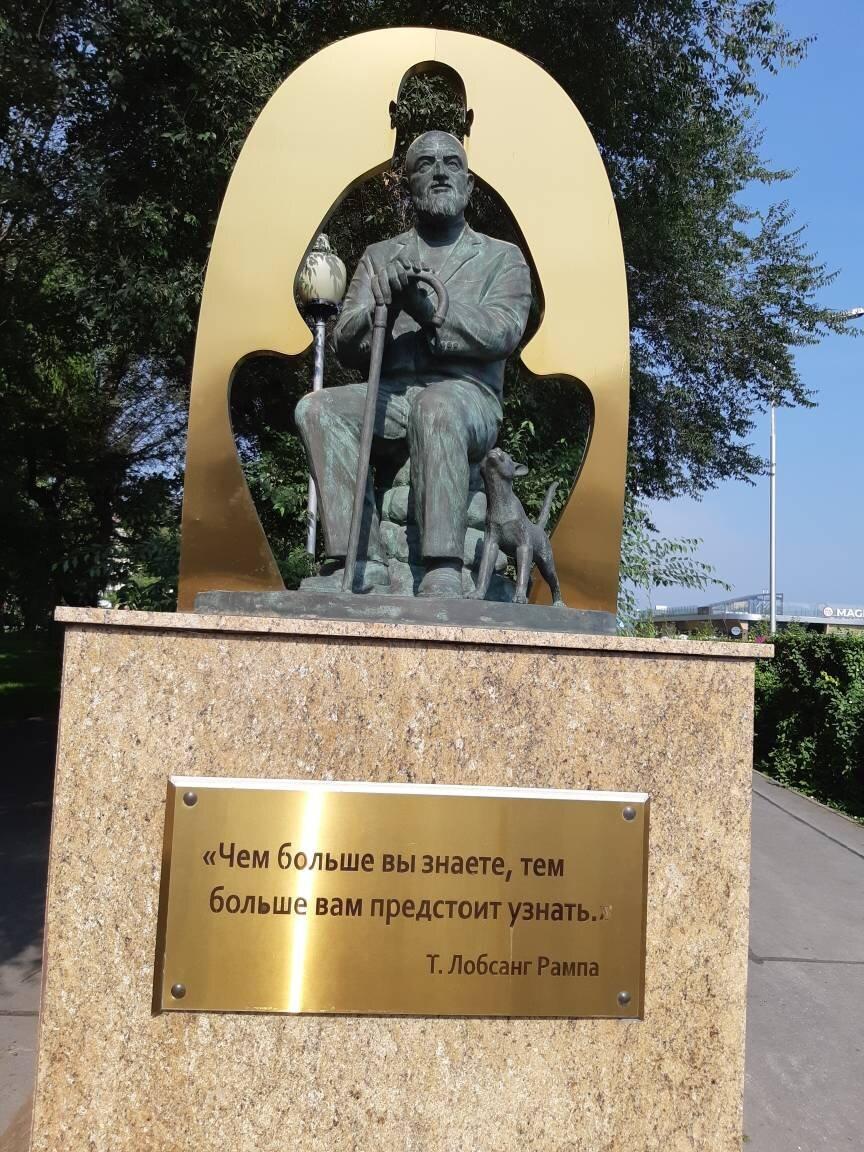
(402, 292)
(417, 302)
(378, 294)
(393, 278)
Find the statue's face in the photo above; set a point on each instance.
(438, 176)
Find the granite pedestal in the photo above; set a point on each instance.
(148, 695)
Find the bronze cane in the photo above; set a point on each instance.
(379, 332)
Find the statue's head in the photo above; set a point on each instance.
(437, 170)
(497, 462)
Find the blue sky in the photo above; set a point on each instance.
(813, 120)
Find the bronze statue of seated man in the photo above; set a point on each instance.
(441, 386)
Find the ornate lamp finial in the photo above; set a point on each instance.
(322, 279)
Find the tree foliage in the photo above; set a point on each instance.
(650, 561)
(121, 124)
(810, 716)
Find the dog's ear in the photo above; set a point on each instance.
(520, 470)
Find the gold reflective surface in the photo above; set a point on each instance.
(540, 910)
(529, 142)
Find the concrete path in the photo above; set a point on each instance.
(805, 998)
(26, 769)
(805, 1053)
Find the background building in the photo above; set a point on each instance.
(741, 614)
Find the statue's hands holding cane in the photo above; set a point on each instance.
(398, 286)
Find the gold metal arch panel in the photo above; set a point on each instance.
(327, 128)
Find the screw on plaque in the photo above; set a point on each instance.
(178, 991)
(629, 813)
(190, 799)
(623, 999)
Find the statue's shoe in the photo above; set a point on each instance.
(369, 576)
(443, 583)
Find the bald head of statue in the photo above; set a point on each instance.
(436, 167)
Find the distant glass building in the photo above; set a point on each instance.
(740, 615)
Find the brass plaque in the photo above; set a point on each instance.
(292, 896)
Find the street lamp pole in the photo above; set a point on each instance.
(849, 314)
(318, 317)
(772, 521)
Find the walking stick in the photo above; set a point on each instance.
(379, 332)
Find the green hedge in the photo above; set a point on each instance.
(810, 716)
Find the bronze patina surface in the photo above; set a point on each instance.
(435, 382)
(286, 896)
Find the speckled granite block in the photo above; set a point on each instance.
(147, 695)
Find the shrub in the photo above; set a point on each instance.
(810, 716)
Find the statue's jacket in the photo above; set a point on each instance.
(489, 286)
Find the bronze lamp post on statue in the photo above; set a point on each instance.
(321, 285)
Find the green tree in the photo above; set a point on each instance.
(86, 416)
(650, 561)
(121, 124)
(810, 716)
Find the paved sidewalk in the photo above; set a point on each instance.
(805, 998)
(26, 770)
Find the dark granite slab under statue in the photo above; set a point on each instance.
(407, 610)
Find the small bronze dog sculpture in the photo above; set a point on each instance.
(508, 528)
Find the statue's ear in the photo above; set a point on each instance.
(521, 470)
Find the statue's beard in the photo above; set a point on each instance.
(440, 205)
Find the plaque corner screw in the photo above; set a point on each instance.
(629, 813)
(178, 991)
(190, 799)
(624, 999)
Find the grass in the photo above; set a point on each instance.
(29, 674)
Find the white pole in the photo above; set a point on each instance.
(317, 385)
(772, 523)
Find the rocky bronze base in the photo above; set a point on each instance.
(400, 609)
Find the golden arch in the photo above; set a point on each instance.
(529, 142)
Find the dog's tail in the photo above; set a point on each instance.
(547, 505)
